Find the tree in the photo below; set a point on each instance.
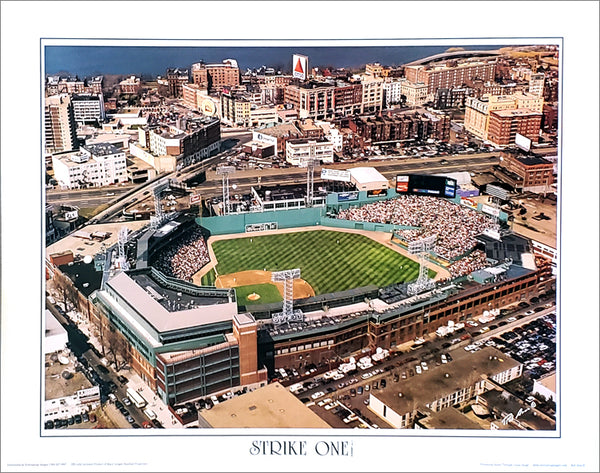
(118, 348)
(67, 290)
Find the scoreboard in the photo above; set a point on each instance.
(418, 184)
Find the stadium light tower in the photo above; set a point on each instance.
(421, 247)
(159, 215)
(123, 233)
(289, 314)
(309, 163)
(224, 172)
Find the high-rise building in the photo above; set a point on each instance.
(505, 124)
(59, 124)
(177, 78)
(216, 76)
(536, 84)
(88, 108)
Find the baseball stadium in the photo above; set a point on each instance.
(207, 304)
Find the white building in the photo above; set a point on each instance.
(299, 151)
(332, 134)
(56, 337)
(393, 91)
(546, 386)
(92, 166)
(88, 108)
(368, 179)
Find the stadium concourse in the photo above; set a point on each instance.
(454, 225)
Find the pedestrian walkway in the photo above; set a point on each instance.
(164, 415)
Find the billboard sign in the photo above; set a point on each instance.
(415, 184)
(195, 199)
(490, 210)
(522, 142)
(299, 66)
(335, 175)
(346, 196)
(377, 193)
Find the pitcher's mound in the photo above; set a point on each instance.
(253, 297)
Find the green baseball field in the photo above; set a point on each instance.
(329, 261)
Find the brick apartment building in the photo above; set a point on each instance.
(505, 124)
(450, 74)
(214, 77)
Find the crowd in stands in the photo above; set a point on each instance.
(472, 262)
(185, 257)
(454, 225)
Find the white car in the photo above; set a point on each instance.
(418, 369)
(511, 319)
(444, 359)
(424, 366)
(317, 395)
(323, 402)
(331, 406)
(366, 376)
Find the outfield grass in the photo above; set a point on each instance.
(268, 293)
(330, 261)
(209, 278)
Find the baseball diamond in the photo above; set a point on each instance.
(330, 261)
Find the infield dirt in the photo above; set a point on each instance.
(245, 278)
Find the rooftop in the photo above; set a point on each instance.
(271, 406)
(84, 276)
(519, 112)
(532, 161)
(448, 418)
(102, 149)
(364, 175)
(440, 381)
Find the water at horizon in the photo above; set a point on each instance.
(154, 60)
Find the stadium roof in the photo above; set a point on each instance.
(365, 175)
(161, 319)
(272, 406)
(510, 246)
(449, 418)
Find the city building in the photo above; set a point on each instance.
(442, 387)
(416, 94)
(546, 386)
(392, 92)
(451, 98)
(92, 166)
(372, 94)
(60, 128)
(88, 108)
(311, 99)
(416, 125)
(131, 85)
(450, 74)
(215, 77)
(478, 111)
(273, 87)
(299, 151)
(193, 95)
(73, 85)
(536, 84)
(55, 335)
(277, 136)
(169, 147)
(504, 125)
(235, 110)
(526, 173)
(271, 406)
(176, 79)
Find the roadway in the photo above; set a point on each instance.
(85, 354)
